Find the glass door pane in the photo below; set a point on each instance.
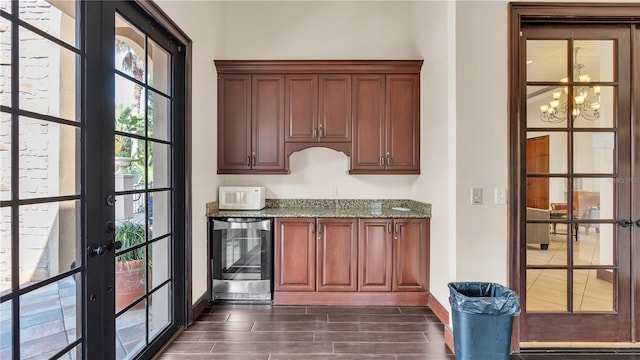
(143, 187)
(41, 193)
(575, 146)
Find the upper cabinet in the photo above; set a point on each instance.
(386, 123)
(367, 109)
(318, 108)
(251, 124)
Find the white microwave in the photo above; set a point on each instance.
(241, 197)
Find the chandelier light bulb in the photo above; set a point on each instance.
(586, 99)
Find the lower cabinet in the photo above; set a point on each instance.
(316, 254)
(347, 261)
(393, 255)
(295, 254)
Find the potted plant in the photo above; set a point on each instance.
(131, 265)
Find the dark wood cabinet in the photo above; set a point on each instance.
(318, 108)
(410, 255)
(234, 123)
(251, 124)
(301, 103)
(368, 123)
(347, 261)
(375, 255)
(334, 112)
(295, 253)
(393, 255)
(386, 124)
(337, 259)
(402, 123)
(367, 109)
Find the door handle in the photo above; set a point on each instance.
(98, 250)
(625, 223)
(253, 156)
(114, 245)
(315, 133)
(638, 223)
(321, 131)
(248, 160)
(382, 161)
(388, 159)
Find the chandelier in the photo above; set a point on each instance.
(586, 99)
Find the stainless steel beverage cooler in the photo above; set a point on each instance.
(241, 260)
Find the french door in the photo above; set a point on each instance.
(91, 145)
(578, 276)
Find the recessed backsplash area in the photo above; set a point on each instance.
(321, 173)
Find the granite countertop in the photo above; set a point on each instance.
(352, 208)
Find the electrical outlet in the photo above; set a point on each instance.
(501, 196)
(476, 196)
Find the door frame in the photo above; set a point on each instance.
(98, 92)
(590, 14)
(154, 11)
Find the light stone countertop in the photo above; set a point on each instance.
(337, 208)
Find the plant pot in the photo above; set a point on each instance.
(130, 283)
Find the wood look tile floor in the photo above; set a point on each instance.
(256, 332)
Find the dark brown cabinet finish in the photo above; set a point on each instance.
(368, 123)
(386, 124)
(375, 255)
(337, 259)
(393, 255)
(367, 109)
(410, 255)
(251, 124)
(318, 108)
(301, 103)
(369, 261)
(334, 113)
(295, 250)
(402, 123)
(234, 123)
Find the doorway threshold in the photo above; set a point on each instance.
(579, 346)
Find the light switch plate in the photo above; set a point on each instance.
(476, 196)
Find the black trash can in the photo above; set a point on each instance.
(482, 316)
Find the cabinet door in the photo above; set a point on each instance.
(334, 124)
(301, 108)
(410, 250)
(295, 254)
(267, 127)
(374, 255)
(403, 123)
(368, 124)
(234, 123)
(337, 250)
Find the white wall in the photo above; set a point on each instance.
(200, 20)
(482, 124)
(436, 184)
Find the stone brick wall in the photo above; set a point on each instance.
(38, 145)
